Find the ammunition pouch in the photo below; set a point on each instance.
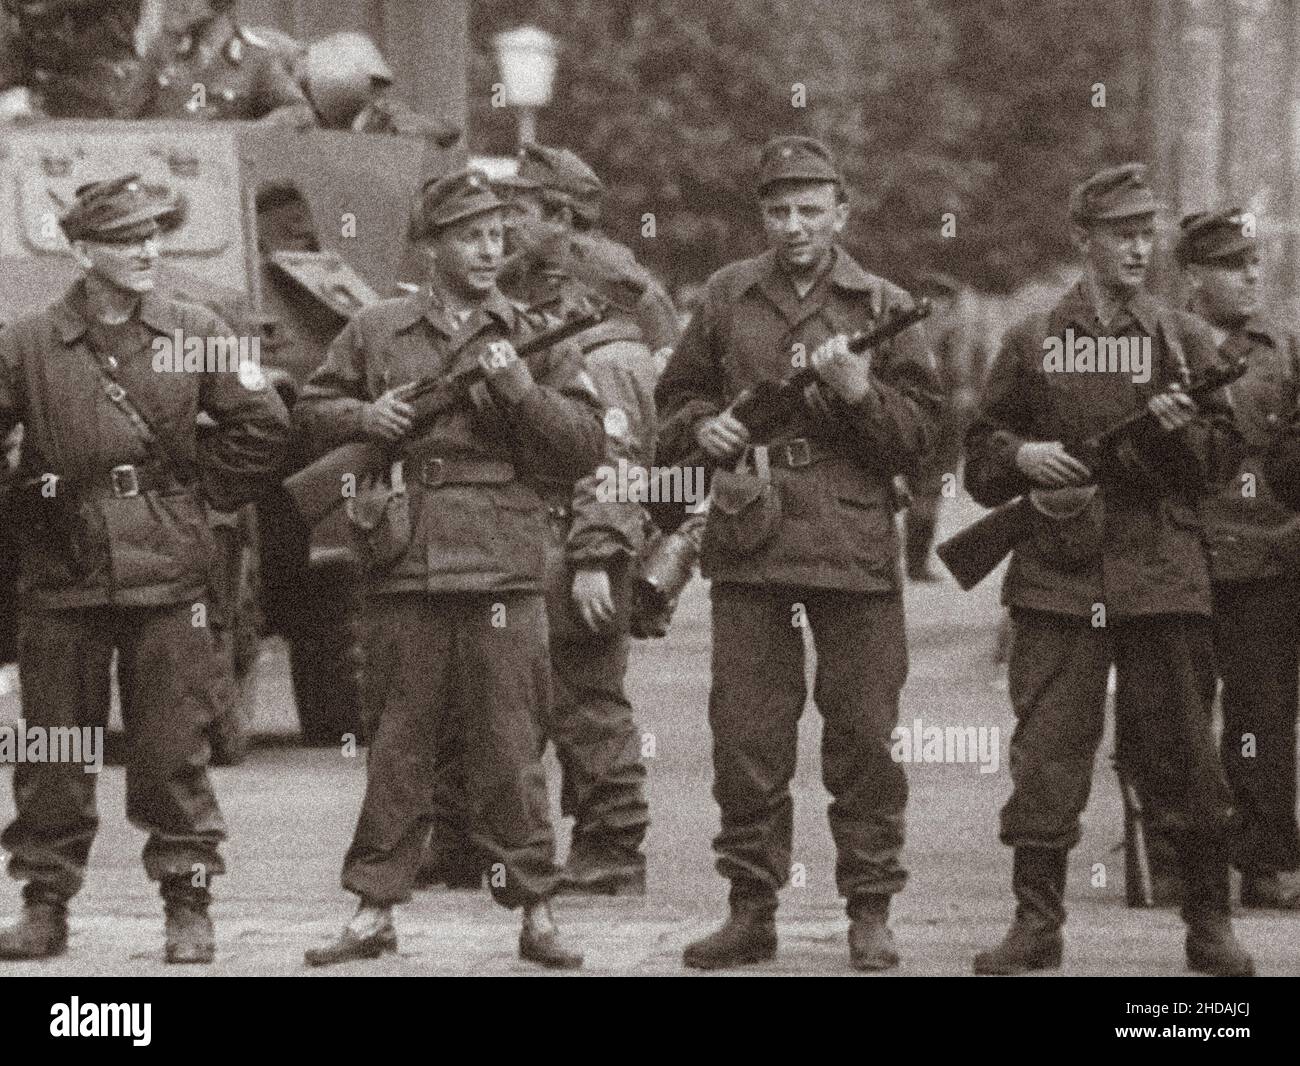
(745, 510)
(1068, 526)
(380, 519)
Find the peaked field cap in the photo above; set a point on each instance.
(454, 198)
(122, 210)
(796, 158)
(543, 166)
(1114, 192)
(1211, 236)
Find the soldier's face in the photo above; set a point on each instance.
(801, 222)
(131, 267)
(467, 255)
(1119, 252)
(1227, 294)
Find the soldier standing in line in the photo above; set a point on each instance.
(116, 556)
(1254, 547)
(806, 538)
(456, 631)
(1123, 581)
(213, 68)
(592, 553)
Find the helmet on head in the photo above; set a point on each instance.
(339, 76)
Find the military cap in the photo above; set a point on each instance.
(557, 170)
(1113, 192)
(442, 201)
(1213, 236)
(796, 158)
(121, 210)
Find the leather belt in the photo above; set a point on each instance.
(432, 469)
(127, 480)
(793, 454)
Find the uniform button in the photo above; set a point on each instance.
(41, 75)
(119, 71)
(112, 362)
(228, 95)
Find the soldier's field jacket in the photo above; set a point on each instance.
(478, 521)
(1251, 536)
(155, 548)
(604, 528)
(1150, 556)
(836, 512)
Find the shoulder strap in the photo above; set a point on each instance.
(156, 440)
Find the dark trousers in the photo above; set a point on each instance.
(167, 670)
(1256, 635)
(1165, 667)
(757, 696)
(440, 668)
(589, 722)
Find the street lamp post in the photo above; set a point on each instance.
(527, 57)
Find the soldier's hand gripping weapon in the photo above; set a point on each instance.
(316, 489)
(976, 551)
(764, 409)
(768, 407)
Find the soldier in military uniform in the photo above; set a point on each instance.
(1120, 579)
(213, 68)
(800, 534)
(591, 565)
(1254, 547)
(555, 228)
(75, 58)
(456, 643)
(116, 556)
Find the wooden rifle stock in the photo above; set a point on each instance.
(316, 489)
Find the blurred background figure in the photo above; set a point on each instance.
(961, 352)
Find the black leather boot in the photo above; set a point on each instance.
(190, 937)
(1034, 941)
(41, 931)
(540, 940)
(871, 944)
(369, 935)
(747, 936)
(1211, 945)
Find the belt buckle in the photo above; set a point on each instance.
(125, 480)
(432, 469)
(798, 452)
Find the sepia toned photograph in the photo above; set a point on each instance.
(505, 488)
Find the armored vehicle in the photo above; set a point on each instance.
(286, 234)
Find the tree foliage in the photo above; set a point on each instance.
(981, 108)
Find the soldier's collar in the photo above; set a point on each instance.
(72, 318)
(1259, 328)
(1078, 309)
(845, 273)
(427, 306)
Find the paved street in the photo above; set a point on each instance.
(291, 813)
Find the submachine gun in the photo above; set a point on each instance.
(976, 551)
(316, 489)
(765, 409)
